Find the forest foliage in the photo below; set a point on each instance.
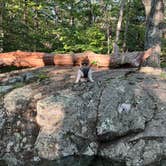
(70, 25)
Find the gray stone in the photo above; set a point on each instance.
(163, 163)
(116, 151)
(2, 119)
(28, 77)
(17, 100)
(120, 118)
(5, 88)
(67, 126)
(15, 79)
(9, 145)
(38, 96)
(11, 160)
(113, 121)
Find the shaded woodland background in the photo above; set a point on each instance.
(77, 25)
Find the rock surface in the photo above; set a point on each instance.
(119, 120)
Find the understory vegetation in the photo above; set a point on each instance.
(73, 25)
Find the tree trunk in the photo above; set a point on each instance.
(91, 16)
(108, 39)
(25, 12)
(72, 19)
(119, 24)
(154, 18)
(126, 28)
(2, 6)
(36, 24)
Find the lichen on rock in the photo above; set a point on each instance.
(120, 118)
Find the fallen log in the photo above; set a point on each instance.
(135, 59)
(39, 59)
(99, 60)
(26, 59)
(64, 59)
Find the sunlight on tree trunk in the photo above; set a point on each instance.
(119, 24)
(154, 20)
(71, 15)
(147, 5)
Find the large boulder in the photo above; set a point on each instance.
(123, 109)
(118, 120)
(67, 125)
(17, 100)
(120, 110)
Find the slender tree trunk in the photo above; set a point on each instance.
(2, 6)
(72, 19)
(154, 19)
(119, 24)
(55, 15)
(108, 39)
(126, 28)
(36, 25)
(107, 22)
(25, 12)
(91, 14)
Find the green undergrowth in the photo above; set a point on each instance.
(163, 65)
(42, 76)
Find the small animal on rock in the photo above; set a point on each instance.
(84, 71)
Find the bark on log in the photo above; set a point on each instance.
(38, 59)
(99, 60)
(26, 59)
(64, 59)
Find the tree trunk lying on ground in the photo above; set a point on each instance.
(38, 59)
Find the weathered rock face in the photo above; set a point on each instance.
(50, 120)
(70, 122)
(125, 110)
